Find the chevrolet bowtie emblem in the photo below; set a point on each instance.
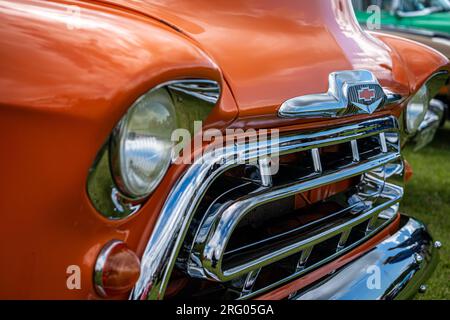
(350, 93)
(366, 94)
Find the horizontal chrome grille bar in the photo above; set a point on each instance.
(301, 142)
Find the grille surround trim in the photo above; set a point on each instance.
(173, 223)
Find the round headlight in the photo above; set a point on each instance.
(140, 149)
(416, 110)
(141, 146)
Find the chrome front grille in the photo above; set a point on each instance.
(240, 231)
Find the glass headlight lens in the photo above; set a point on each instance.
(141, 146)
(416, 110)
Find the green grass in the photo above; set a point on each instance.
(427, 197)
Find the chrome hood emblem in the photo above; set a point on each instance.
(350, 93)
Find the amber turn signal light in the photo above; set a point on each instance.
(117, 269)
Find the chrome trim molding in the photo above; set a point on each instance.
(395, 258)
(436, 82)
(195, 97)
(343, 97)
(392, 98)
(173, 223)
(207, 90)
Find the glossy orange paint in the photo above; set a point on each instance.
(65, 83)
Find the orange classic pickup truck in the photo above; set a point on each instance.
(200, 149)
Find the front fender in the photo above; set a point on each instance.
(69, 71)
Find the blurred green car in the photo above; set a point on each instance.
(433, 15)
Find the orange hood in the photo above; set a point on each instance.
(270, 51)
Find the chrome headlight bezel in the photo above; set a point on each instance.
(192, 100)
(416, 109)
(418, 105)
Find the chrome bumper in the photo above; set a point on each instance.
(395, 269)
(430, 124)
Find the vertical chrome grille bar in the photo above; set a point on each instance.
(301, 265)
(355, 152)
(343, 239)
(316, 160)
(265, 171)
(249, 282)
(371, 224)
(304, 258)
(383, 142)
